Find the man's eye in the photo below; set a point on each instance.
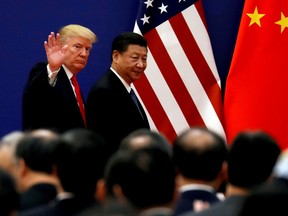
(77, 46)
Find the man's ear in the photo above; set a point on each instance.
(115, 56)
(100, 191)
(22, 167)
(54, 171)
(118, 193)
(224, 171)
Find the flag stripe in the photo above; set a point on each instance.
(198, 6)
(155, 77)
(189, 78)
(199, 32)
(198, 62)
(152, 103)
(173, 79)
(165, 95)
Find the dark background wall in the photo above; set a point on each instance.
(25, 26)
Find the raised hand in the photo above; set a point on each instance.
(55, 51)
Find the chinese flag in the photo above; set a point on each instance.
(256, 96)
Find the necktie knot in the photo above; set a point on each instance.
(74, 80)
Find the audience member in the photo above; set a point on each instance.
(36, 177)
(251, 159)
(9, 197)
(138, 139)
(144, 137)
(7, 151)
(111, 111)
(80, 161)
(271, 197)
(52, 98)
(200, 158)
(143, 179)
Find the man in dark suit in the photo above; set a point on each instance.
(137, 140)
(110, 110)
(142, 138)
(251, 159)
(270, 198)
(52, 98)
(36, 178)
(9, 197)
(142, 179)
(200, 158)
(80, 160)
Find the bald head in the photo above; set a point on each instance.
(44, 133)
(199, 153)
(198, 139)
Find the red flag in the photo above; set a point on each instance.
(181, 85)
(257, 87)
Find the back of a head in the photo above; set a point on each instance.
(9, 197)
(146, 176)
(122, 41)
(37, 148)
(199, 154)
(142, 138)
(251, 158)
(81, 158)
(8, 145)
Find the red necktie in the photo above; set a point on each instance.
(79, 97)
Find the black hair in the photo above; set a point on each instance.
(122, 41)
(251, 158)
(199, 158)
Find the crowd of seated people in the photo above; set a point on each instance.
(43, 172)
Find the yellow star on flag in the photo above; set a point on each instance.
(283, 22)
(255, 17)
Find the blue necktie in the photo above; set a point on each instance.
(135, 100)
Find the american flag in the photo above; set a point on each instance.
(181, 86)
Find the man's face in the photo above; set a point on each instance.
(77, 53)
(131, 64)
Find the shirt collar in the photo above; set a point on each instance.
(68, 72)
(127, 86)
(196, 187)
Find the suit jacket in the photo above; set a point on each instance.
(44, 106)
(190, 197)
(38, 194)
(110, 208)
(111, 112)
(229, 207)
(66, 207)
(156, 211)
(270, 198)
